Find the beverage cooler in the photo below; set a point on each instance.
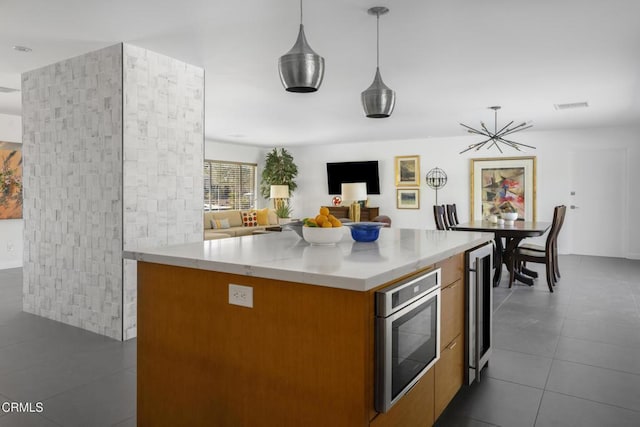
(479, 305)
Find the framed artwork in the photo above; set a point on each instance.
(408, 198)
(504, 184)
(407, 171)
(10, 180)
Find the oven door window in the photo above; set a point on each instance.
(414, 343)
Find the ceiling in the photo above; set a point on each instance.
(447, 60)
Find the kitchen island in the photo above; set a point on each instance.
(296, 346)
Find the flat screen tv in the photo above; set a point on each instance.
(337, 173)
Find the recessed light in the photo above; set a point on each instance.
(583, 104)
(24, 49)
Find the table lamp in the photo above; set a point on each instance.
(354, 192)
(279, 193)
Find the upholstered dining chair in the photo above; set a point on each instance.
(538, 248)
(523, 255)
(452, 215)
(440, 218)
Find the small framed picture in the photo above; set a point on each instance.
(407, 171)
(408, 198)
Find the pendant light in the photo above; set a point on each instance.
(497, 137)
(301, 69)
(378, 100)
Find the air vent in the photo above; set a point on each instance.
(571, 105)
(8, 90)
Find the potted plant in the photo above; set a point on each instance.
(283, 211)
(279, 169)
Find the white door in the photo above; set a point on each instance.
(597, 216)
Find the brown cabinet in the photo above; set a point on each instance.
(449, 374)
(414, 409)
(449, 370)
(366, 214)
(452, 313)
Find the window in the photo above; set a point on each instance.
(229, 185)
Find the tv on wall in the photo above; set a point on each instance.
(338, 173)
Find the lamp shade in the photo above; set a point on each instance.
(354, 191)
(378, 100)
(301, 69)
(279, 192)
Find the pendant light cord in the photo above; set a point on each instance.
(495, 122)
(300, 12)
(378, 40)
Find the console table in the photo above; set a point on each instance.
(366, 214)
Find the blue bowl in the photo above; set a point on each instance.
(365, 231)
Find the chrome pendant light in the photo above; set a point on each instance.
(497, 137)
(301, 69)
(378, 100)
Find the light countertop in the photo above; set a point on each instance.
(347, 265)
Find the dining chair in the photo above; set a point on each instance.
(439, 216)
(538, 248)
(452, 215)
(522, 255)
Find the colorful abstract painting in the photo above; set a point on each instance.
(503, 191)
(10, 180)
(503, 185)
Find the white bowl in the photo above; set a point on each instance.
(509, 216)
(323, 236)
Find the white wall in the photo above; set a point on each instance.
(553, 174)
(10, 229)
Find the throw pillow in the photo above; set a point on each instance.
(249, 218)
(263, 216)
(220, 224)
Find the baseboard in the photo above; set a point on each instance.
(633, 256)
(11, 264)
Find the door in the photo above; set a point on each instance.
(597, 217)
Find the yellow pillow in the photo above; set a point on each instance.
(263, 216)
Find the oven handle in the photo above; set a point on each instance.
(479, 277)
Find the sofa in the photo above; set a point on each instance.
(224, 224)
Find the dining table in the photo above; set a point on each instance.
(513, 234)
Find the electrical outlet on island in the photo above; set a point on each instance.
(241, 295)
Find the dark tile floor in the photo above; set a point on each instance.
(82, 379)
(571, 358)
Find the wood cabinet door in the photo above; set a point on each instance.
(452, 321)
(414, 409)
(452, 269)
(449, 374)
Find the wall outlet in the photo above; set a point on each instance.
(241, 295)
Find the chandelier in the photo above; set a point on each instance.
(497, 137)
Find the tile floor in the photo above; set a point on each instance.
(571, 358)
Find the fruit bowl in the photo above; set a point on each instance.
(322, 236)
(365, 231)
(509, 216)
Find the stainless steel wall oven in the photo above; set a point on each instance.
(407, 335)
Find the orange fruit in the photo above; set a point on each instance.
(324, 211)
(331, 217)
(321, 219)
(326, 224)
(335, 222)
(311, 223)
